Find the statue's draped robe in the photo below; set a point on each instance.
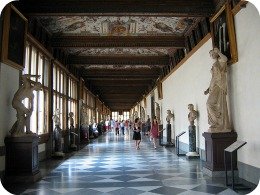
(217, 104)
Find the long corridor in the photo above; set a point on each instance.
(112, 165)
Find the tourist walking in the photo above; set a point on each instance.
(137, 133)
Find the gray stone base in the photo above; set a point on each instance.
(23, 178)
(210, 173)
(249, 173)
(192, 155)
(59, 154)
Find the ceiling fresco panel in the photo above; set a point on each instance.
(117, 26)
(117, 51)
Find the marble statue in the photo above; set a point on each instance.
(84, 116)
(142, 114)
(84, 122)
(192, 114)
(56, 117)
(216, 104)
(72, 131)
(57, 134)
(169, 116)
(135, 114)
(192, 133)
(71, 119)
(157, 113)
(24, 113)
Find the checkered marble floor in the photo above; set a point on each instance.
(112, 165)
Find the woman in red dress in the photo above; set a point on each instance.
(154, 133)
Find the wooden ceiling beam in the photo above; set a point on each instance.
(120, 60)
(117, 41)
(119, 79)
(116, 84)
(195, 8)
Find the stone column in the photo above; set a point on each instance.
(192, 143)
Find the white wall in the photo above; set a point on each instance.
(187, 85)
(245, 85)
(9, 84)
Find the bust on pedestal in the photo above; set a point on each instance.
(192, 133)
(219, 135)
(21, 161)
(169, 129)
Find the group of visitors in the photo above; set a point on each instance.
(152, 130)
(118, 125)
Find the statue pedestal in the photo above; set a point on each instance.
(215, 143)
(192, 143)
(21, 160)
(169, 136)
(58, 142)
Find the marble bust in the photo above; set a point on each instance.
(169, 116)
(192, 114)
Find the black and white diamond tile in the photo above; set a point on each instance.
(111, 165)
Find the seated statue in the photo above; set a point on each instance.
(23, 113)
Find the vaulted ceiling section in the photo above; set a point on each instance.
(120, 47)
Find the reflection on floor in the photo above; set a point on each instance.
(112, 165)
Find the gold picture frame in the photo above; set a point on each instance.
(14, 37)
(223, 33)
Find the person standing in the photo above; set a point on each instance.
(117, 127)
(154, 132)
(148, 126)
(137, 133)
(122, 126)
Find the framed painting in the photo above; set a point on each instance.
(14, 37)
(223, 33)
(160, 92)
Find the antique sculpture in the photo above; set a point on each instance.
(157, 113)
(142, 114)
(72, 131)
(84, 123)
(56, 117)
(84, 116)
(192, 132)
(57, 134)
(169, 116)
(169, 129)
(216, 104)
(23, 113)
(71, 119)
(192, 114)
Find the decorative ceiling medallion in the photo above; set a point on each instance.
(117, 51)
(116, 26)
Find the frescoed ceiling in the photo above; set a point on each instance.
(94, 26)
(117, 44)
(117, 51)
(117, 26)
